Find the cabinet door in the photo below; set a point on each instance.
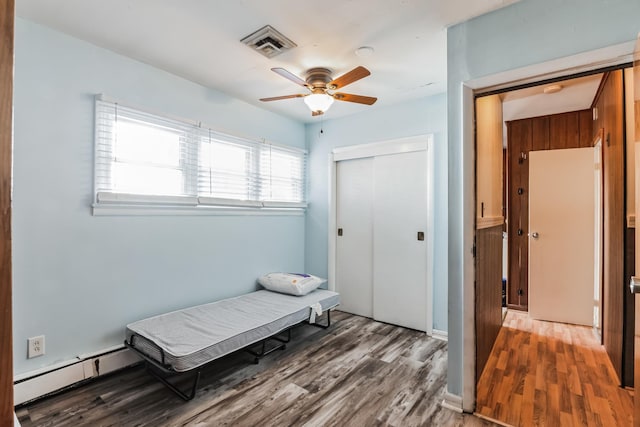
(400, 257)
(354, 247)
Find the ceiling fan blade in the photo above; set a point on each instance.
(352, 76)
(290, 76)
(360, 99)
(277, 98)
(317, 113)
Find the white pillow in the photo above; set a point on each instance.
(290, 283)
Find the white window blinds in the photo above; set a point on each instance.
(281, 175)
(227, 167)
(138, 153)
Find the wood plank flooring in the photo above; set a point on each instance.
(357, 373)
(551, 374)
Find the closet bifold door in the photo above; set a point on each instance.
(354, 240)
(399, 246)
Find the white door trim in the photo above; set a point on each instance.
(585, 61)
(393, 146)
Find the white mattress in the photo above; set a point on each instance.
(194, 336)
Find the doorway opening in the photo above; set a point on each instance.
(557, 119)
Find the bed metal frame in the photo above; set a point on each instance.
(162, 370)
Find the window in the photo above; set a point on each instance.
(283, 175)
(144, 159)
(226, 169)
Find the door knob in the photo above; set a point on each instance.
(535, 235)
(634, 285)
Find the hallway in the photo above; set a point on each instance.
(545, 373)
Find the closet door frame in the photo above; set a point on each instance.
(393, 146)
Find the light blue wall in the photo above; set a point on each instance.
(79, 279)
(422, 116)
(526, 33)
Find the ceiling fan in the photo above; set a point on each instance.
(322, 87)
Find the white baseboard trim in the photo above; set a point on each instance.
(41, 382)
(440, 335)
(453, 402)
(491, 420)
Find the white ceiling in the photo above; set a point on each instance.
(576, 94)
(200, 40)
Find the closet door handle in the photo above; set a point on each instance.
(420, 235)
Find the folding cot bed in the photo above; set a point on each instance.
(183, 341)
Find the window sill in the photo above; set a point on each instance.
(122, 209)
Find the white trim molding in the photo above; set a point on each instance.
(393, 146)
(491, 420)
(333, 213)
(453, 402)
(440, 335)
(177, 210)
(468, 233)
(581, 62)
(111, 204)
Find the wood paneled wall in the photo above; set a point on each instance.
(610, 117)
(488, 292)
(558, 131)
(6, 111)
(629, 311)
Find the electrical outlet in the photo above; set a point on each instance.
(35, 346)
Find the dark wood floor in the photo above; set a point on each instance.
(551, 374)
(357, 373)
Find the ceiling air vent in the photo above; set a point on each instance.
(268, 41)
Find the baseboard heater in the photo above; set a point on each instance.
(53, 379)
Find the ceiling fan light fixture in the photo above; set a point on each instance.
(318, 102)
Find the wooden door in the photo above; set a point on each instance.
(6, 111)
(636, 103)
(354, 245)
(561, 235)
(399, 250)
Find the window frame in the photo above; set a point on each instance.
(107, 202)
